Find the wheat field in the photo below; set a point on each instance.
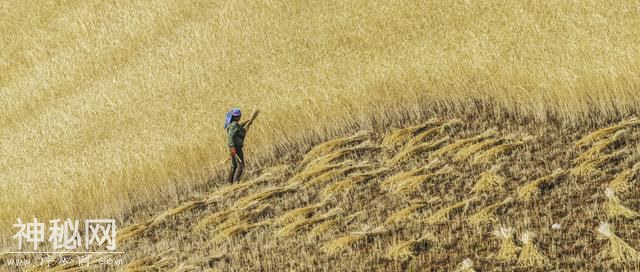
(115, 108)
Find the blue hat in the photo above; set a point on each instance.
(232, 113)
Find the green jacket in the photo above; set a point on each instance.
(235, 135)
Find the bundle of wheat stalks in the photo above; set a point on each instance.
(487, 214)
(493, 152)
(324, 227)
(332, 145)
(599, 147)
(615, 208)
(619, 252)
(434, 131)
(341, 153)
(338, 245)
(621, 183)
(350, 181)
(508, 249)
(450, 148)
(404, 250)
(412, 151)
(406, 212)
(489, 181)
(530, 255)
(465, 266)
(590, 166)
(392, 182)
(442, 215)
(530, 189)
(605, 132)
(300, 223)
(402, 135)
(301, 212)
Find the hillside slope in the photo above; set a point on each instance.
(435, 196)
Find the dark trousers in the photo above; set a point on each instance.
(237, 166)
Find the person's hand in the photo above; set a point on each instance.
(233, 151)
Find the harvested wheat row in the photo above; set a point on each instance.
(341, 153)
(416, 150)
(422, 136)
(224, 218)
(489, 181)
(301, 212)
(135, 229)
(598, 148)
(621, 183)
(338, 245)
(466, 265)
(508, 250)
(615, 208)
(618, 251)
(350, 181)
(264, 194)
(442, 215)
(215, 196)
(590, 166)
(307, 173)
(324, 227)
(330, 175)
(332, 145)
(162, 261)
(399, 177)
(455, 146)
(530, 256)
(412, 184)
(304, 222)
(488, 155)
(605, 132)
(403, 251)
(487, 214)
(531, 189)
(406, 212)
(466, 152)
(401, 135)
(238, 228)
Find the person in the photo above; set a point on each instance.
(235, 140)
